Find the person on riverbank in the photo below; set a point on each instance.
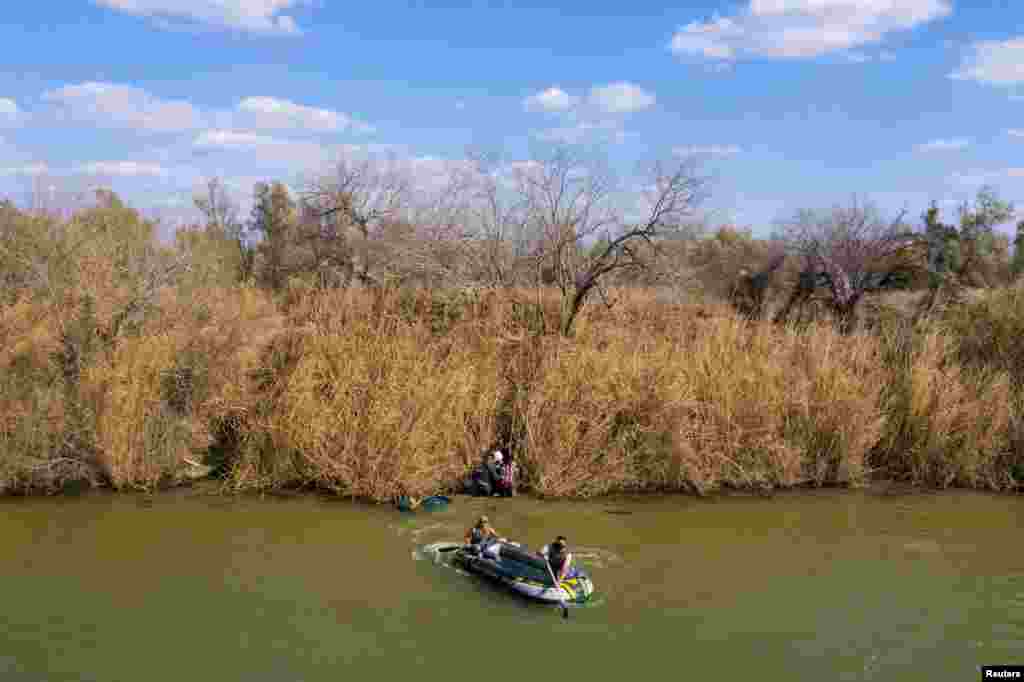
(486, 477)
(495, 466)
(559, 557)
(508, 472)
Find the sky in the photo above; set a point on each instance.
(788, 104)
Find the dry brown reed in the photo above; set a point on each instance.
(376, 393)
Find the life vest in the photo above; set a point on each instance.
(477, 535)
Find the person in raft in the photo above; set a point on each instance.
(558, 556)
(483, 535)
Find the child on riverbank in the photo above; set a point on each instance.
(508, 473)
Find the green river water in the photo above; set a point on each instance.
(805, 586)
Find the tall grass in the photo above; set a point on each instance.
(372, 394)
(947, 425)
(713, 402)
(376, 412)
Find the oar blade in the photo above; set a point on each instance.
(449, 549)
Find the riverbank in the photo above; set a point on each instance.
(374, 395)
(613, 503)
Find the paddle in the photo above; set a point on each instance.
(554, 581)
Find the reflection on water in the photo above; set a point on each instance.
(810, 586)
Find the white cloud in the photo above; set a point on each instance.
(613, 98)
(596, 117)
(123, 106)
(10, 115)
(855, 57)
(994, 62)
(552, 99)
(711, 39)
(254, 16)
(8, 108)
(281, 114)
(1015, 132)
(231, 139)
(708, 150)
(269, 152)
(621, 98)
(803, 28)
(124, 169)
(943, 145)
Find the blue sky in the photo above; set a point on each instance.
(791, 103)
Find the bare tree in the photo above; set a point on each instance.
(363, 196)
(437, 241)
(223, 220)
(842, 250)
(217, 206)
(324, 240)
(569, 201)
(498, 218)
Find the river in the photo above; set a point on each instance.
(803, 586)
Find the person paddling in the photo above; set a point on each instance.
(559, 557)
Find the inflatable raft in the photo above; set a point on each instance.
(523, 572)
(432, 503)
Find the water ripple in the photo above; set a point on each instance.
(597, 556)
(432, 552)
(416, 532)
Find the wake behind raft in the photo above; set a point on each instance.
(523, 572)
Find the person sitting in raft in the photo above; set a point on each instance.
(484, 536)
(558, 556)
